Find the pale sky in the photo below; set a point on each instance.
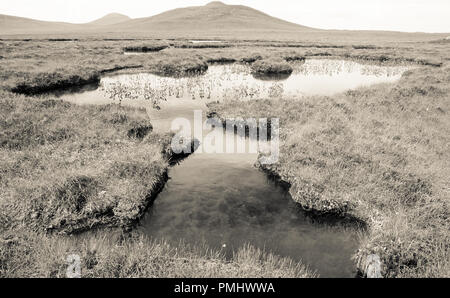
(396, 15)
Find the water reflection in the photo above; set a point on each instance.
(231, 82)
(271, 77)
(228, 82)
(222, 199)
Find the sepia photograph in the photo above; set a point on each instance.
(198, 142)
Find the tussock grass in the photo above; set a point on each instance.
(294, 57)
(365, 47)
(441, 41)
(271, 67)
(201, 45)
(182, 66)
(103, 256)
(69, 168)
(252, 58)
(145, 49)
(62, 39)
(388, 58)
(378, 154)
(44, 82)
(221, 60)
(300, 45)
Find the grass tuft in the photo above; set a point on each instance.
(145, 49)
(182, 66)
(271, 66)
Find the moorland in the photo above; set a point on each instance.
(78, 178)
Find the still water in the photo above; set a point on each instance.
(222, 200)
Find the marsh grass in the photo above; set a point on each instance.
(179, 67)
(201, 45)
(122, 256)
(45, 82)
(221, 60)
(378, 154)
(36, 66)
(145, 49)
(271, 66)
(388, 58)
(294, 57)
(67, 168)
(251, 59)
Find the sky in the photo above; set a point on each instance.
(394, 15)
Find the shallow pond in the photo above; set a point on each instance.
(178, 97)
(222, 200)
(235, 81)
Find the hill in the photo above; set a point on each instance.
(110, 19)
(215, 16)
(18, 25)
(214, 20)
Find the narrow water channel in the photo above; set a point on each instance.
(222, 200)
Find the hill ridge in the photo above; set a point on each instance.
(110, 19)
(215, 15)
(212, 16)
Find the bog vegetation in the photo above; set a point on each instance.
(377, 154)
(271, 67)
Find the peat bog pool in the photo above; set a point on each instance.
(235, 81)
(222, 200)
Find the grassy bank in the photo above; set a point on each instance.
(106, 256)
(379, 154)
(69, 168)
